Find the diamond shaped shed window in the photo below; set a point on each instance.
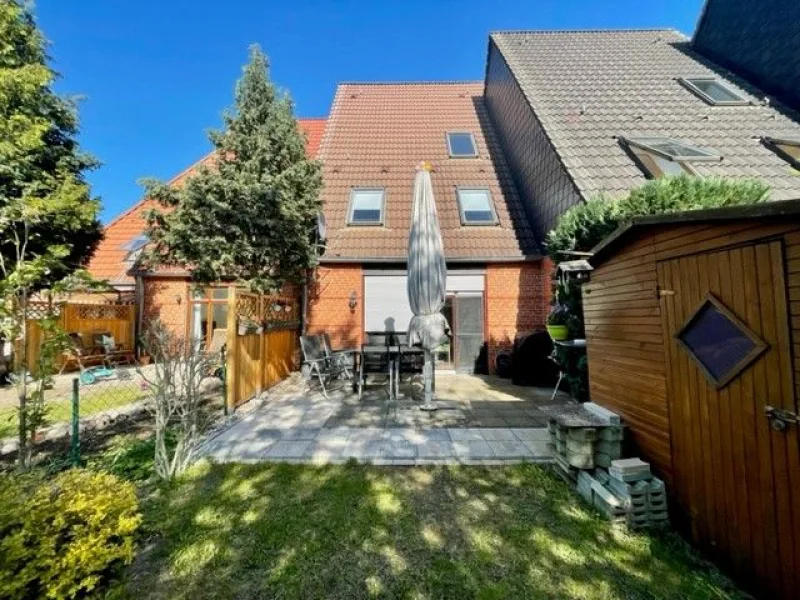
(721, 344)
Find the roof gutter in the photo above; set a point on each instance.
(404, 258)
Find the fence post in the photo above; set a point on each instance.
(224, 361)
(75, 436)
(231, 353)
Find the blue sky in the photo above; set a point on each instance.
(156, 75)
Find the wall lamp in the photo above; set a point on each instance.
(353, 300)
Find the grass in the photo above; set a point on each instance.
(355, 531)
(59, 410)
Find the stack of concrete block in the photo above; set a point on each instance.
(585, 440)
(627, 493)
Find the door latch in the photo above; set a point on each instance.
(780, 419)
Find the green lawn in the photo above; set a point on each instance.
(93, 401)
(354, 531)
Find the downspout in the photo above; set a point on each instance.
(139, 324)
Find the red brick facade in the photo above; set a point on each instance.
(168, 300)
(517, 302)
(329, 304)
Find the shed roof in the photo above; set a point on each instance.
(764, 210)
(378, 133)
(587, 88)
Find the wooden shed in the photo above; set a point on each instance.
(693, 336)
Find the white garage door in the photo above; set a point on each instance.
(386, 299)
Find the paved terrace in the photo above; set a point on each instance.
(482, 420)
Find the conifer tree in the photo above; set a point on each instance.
(250, 217)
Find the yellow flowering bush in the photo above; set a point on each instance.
(62, 537)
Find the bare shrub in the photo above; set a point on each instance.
(174, 381)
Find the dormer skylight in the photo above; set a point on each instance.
(366, 206)
(662, 156)
(787, 148)
(134, 248)
(135, 244)
(713, 91)
(461, 144)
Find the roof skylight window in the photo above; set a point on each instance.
(461, 144)
(713, 91)
(475, 206)
(366, 206)
(788, 149)
(135, 244)
(662, 157)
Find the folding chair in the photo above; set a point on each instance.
(318, 362)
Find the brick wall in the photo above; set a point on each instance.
(517, 302)
(167, 299)
(328, 304)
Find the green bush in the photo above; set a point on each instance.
(586, 225)
(63, 537)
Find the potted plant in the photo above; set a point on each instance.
(557, 322)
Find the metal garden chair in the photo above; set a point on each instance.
(319, 364)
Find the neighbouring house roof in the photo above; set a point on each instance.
(109, 260)
(378, 133)
(786, 209)
(587, 88)
(759, 39)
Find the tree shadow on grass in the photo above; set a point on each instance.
(353, 531)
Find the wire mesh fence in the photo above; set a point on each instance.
(84, 412)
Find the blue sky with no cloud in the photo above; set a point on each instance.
(156, 75)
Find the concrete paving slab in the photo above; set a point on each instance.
(498, 435)
(289, 449)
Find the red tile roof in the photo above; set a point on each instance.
(109, 262)
(375, 137)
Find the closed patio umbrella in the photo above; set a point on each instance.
(427, 275)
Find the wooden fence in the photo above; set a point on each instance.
(84, 319)
(262, 343)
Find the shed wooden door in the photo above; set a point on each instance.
(737, 479)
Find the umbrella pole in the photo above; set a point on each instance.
(428, 376)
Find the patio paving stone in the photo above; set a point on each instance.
(435, 450)
(510, 449)
(435, 435)
(362, 449)
(466, 435)
(472, 449)
(301, 434)
(395, 450)
(289, 449)
(322, 451)
(498, 435)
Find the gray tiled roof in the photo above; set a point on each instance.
(588, 87)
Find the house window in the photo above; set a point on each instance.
(663, 157)
(134, 247)
(475, 206)
(366, 206)
(208, 313)
(713, 91)
(787, 149)
(461, 145)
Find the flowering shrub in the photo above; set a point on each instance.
(63, 537)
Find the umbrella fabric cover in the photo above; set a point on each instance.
(427, 271)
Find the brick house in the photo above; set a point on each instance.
(166, 294)
(498, 283)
